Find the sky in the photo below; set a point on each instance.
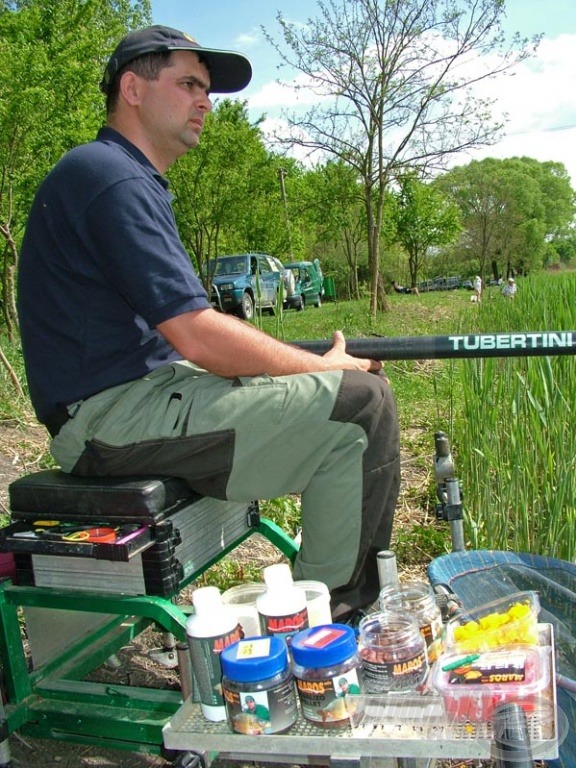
(540, 99)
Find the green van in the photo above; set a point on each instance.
(308, 284)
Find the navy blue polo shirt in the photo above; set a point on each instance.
(101, 265)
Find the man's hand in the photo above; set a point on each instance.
(340, 359)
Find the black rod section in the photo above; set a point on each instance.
(517, 344)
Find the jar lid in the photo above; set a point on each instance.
(323, 645)
(254, 658)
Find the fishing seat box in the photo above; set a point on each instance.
(176, 532)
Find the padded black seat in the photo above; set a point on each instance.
(64, 496)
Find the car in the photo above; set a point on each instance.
(244, 282)
(308, 284)
(446, 283)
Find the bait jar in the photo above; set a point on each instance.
(393, 653)
(258, 686)
(327, 668)
(416, 598)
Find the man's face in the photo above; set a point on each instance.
(173, 107)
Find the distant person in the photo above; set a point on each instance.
(402, 288)
(510, 288)
(477, 288)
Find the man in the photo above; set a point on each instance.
(258, 710)
(510, 289)
(477, 287)
(134, 373)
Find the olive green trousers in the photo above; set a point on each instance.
(331, 437)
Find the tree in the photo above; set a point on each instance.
(331, 199)
(425, 218)
(510, 209)
(394, 83)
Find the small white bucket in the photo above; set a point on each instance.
(242, 599)
(317, 602)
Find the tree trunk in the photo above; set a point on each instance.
(8, 283)
(12, 374)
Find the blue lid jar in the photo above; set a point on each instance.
(323, 646)
(258, 686)
(327, 669)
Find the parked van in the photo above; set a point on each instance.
(308, 284)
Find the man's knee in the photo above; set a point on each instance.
(360, 394)
(366, 399)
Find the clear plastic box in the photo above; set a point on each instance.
(507, 621)
(472, 685)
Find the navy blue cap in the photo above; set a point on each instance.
(229, 71)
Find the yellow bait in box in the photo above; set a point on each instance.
(507, 621)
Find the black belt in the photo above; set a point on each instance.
(56, 420)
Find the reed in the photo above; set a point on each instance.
(514, 433)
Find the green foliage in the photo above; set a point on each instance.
(425, 219)
(53, 54)
(510, 210)
(227, 191)
(285, 512)
(390, 80)
(419, 544)
(228, 573)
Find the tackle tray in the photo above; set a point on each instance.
(382, 726)
(30, 538)
(180, 545)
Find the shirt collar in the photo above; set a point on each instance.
(110, 134)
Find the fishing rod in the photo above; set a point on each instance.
(516, 344)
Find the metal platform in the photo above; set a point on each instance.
(383, 728)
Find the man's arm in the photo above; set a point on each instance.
(229, 347)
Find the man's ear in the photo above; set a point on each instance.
(131, 88)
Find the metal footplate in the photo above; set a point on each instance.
(307, 743)
(396, 731)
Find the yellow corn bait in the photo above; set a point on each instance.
(516, 625)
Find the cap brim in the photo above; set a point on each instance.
(229, 71)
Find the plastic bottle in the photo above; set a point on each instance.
(211, 628)
(282, 608)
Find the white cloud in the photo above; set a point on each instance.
(300, 92)
(248, 39)
(541, 109)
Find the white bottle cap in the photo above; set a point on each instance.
(205, 599)
(278, 576)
